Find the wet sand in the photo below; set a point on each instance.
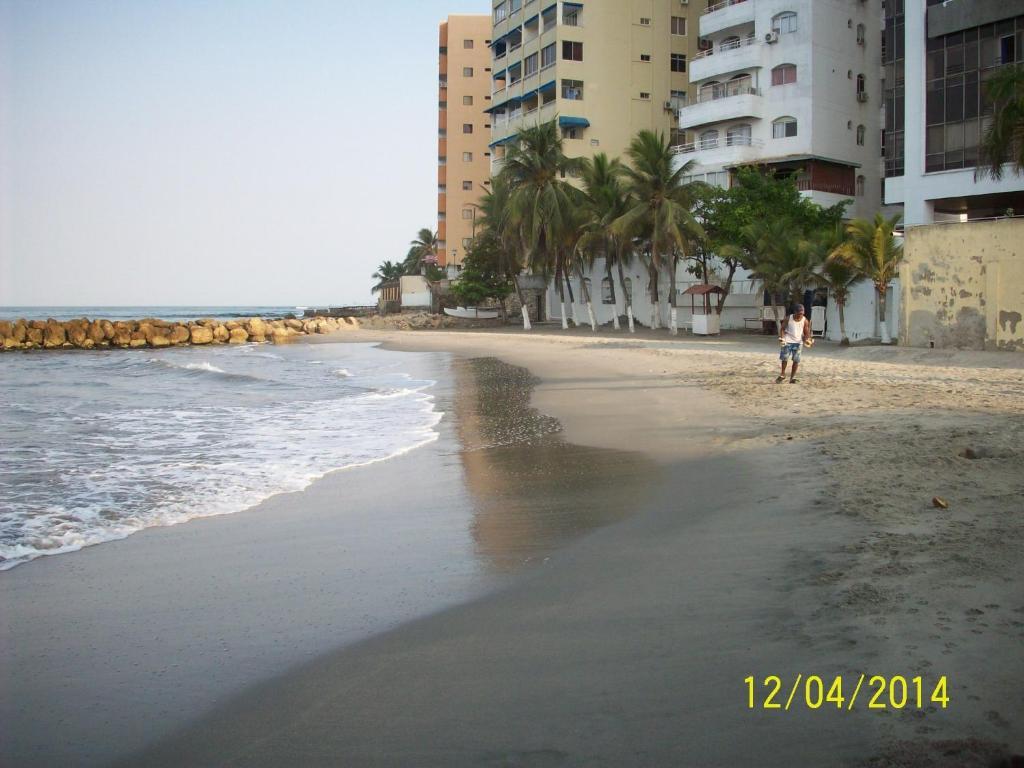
(783, 542)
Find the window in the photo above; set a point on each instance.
(678, 62)
(442, 105)
(645, 57)
(678, 25)
(547, 56)
(709, 139)
(860, 135)
(531, 64)
(443, 50)
(500, 12)
(467, 101)
(467, 157)
(644, 21)
(784, 74)
(467, 71)
(861, 34)
(467, 127)
(645, 96)
(442, 189)
(571, 15)
(572, 90)
(467, 44)
(442, 160)
(860, 186)
(861, 82)
(784, 22)
(572, 51)
(784, 128)
(738, 136)
(570, 132)
(466, 242)
(678, 99)
(514, 5)
(467, 213)
(607, 291)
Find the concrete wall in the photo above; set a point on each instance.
(964, 285)
(415, 292)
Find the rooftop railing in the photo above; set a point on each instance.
(725, 91)
(728, 141)
(730, 45)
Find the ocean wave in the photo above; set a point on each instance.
(91, 475)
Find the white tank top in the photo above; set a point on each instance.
(794, 330)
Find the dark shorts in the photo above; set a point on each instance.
(790, 351)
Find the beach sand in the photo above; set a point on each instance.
(734, 528)
(792, 532)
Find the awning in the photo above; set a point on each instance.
(529, 94)
(506, 102)
(580, 122)
(572, 5)
(553, 5)
(499, 75)
(506, 140)
(547, 87)
(531, 19)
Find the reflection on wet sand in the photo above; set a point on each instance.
(533, 492)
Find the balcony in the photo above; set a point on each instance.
(733, 56)
(725, 102)
(726, 14)
(720, 153)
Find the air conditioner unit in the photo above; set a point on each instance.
(771, 37)
(862, 97)
(669, 106)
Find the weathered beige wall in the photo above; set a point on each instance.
(963, 285)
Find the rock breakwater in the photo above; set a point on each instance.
(84, 333)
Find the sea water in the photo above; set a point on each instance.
(97, 445)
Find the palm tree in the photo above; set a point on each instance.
(660, 213)
(386, 272)
(835, 274)
(422, 251)
(875, 253)
(1003, 142)
(604, 202)
(541, 202)
(771, 250)
(494, 220)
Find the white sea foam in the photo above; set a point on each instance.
(169, 451)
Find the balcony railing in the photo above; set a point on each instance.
(724, 91)
(731, 45)
(722, 4)
(728, 141)
(832, 187)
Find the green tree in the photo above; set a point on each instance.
(541, 202)
(494, 221)
(483, 276)
(660, 213)
(422, 252)
(604, 203)
(386, 272)
(1003, 142)
(873, 251)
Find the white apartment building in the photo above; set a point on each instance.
(938, 54)
(793, 86)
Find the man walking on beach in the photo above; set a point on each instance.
(796, 331)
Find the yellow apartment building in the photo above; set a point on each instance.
(605, 69)
(463, 130)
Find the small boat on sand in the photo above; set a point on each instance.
(471, 313)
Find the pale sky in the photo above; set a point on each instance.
(192, 152)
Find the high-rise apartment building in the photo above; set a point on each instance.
(937, 56)
(792, 86)
(605, 69)
(463, 130)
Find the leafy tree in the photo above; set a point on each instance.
(873, 251)
(494, 221)
(541, 203)
(1003, 142)
(483, 276)
(386, 272)
(660, 212)
(422, 252)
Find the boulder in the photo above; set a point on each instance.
(6, 328)
(295, 325)
(179, 335)
(238, 335)
(200, 334)
(39, 325)
(221, 334)
(54, 335)
(34, 336)
(76, 331)
(96, 332)
(19, 332)
(8, 342)
(159, 340)
(256, 327)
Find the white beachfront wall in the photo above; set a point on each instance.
(834, 41)
(744, 302)
(415, 292)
